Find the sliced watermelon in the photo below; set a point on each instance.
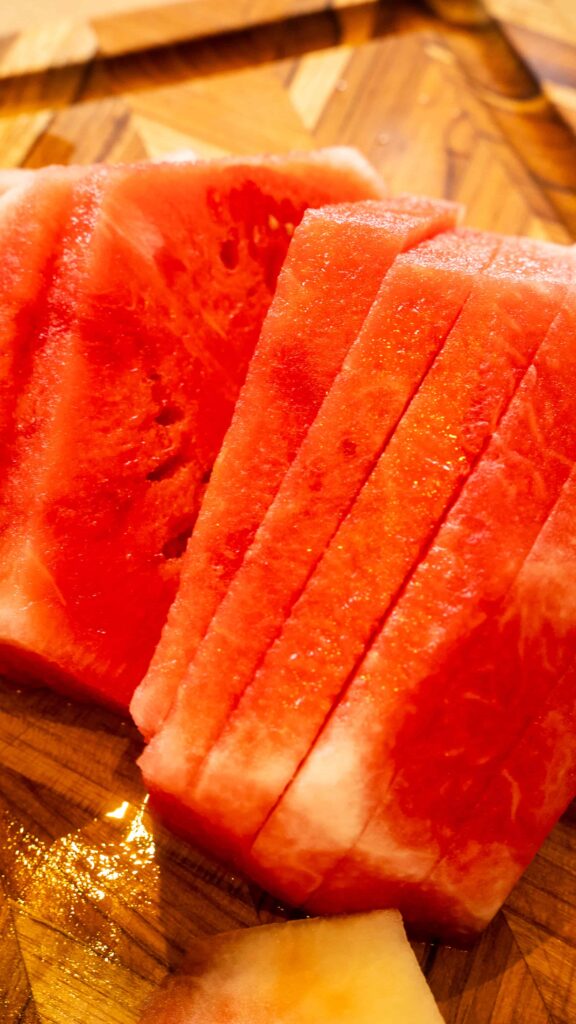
(485, 675)
(160, 291)
(339, 451)
(335, 265)
(388, 729)
(461, 398)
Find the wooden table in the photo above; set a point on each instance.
(96, 901)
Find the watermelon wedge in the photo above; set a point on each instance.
(334, 268)
(159, 292)
(404, 716)
(462, 397)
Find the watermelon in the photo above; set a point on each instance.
(417, 732)
(351, 970)
(504, 830)
(295, 524)
(32, 217)
(159, 291)
(490, 676)
(463, 396)
(335, 265)
(523, 656)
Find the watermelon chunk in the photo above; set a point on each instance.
(315, 316)
(350, 970)
(294, 524)
(159, 293)
(462, 396)
(404, 784)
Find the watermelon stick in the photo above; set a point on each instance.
(376, 381)
(402, 689)
(159, 293)
(434, 448)
(500, 678)
(335, 265)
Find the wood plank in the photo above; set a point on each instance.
(34, 37)
(544, 33)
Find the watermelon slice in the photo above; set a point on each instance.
(335, 265)
(530, 646)
(463, 395)
(404, 771)
(338, 451)
(351, 970)
(160, 290)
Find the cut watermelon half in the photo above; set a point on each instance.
(389, 729)
(333, 271)
(434, 448)
(160, 290)
(226, 660)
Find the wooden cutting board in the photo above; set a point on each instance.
(97, 901)
(36, 35)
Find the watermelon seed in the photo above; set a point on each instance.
(168, 415)
(229, 253)
(176, 546)
(167, 468)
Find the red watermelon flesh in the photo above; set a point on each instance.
(504, 670)
(434, 447)
(406, 327)
(503, 832)
(334, 267)
(32, 216)
(392, 713)
(161, 287)
(227, 658)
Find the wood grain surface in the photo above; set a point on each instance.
(35, 35)
(97, 901)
